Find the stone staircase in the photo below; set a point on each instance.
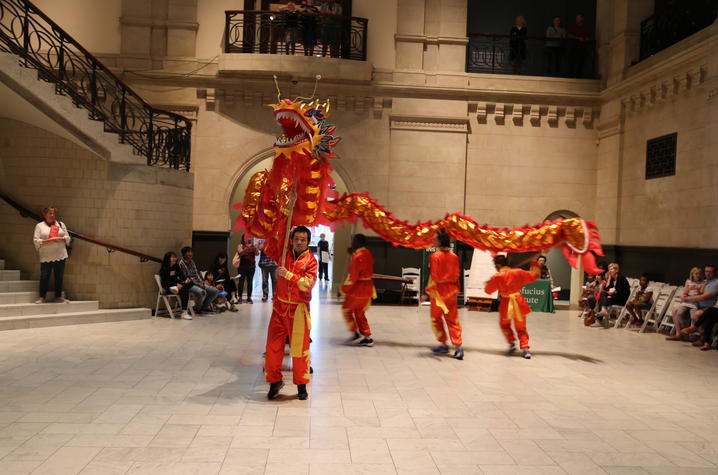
(18, 309)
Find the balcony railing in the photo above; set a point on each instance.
(671, 25)
(535, 56)
(160, 136)
(271, 32)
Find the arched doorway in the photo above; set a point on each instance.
(338, 238)
(562, 273)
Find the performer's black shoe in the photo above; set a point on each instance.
(302, 393)
(274, 389)
(440, 350)
(311, 370)
(512, 348)
(459, 353)
(367, 341)
(527, 354)
(352, 339)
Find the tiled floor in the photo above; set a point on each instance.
(182, 397)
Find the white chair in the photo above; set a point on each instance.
(621, 309)
(655, 315)
(410, 291)
(166, 298)
(667, 320)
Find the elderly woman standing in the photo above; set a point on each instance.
(51, 240)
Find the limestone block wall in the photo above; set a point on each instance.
(146, 209)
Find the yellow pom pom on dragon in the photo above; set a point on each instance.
(298, 190)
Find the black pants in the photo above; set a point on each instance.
(267, 274)
(246, 275)
(708, 322)
(184, 294)
(578, 58)
(47, 268)
(323, 270)
(553, 56)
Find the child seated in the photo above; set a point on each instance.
(220, 302)
(642, 300)
(588, 295)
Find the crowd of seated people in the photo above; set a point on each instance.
(694, 316)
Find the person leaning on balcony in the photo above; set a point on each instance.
(331, 27)
(553, 50)
(517, 43)
(309, 10)
(291, 27)
(580, 37)
(51, 239)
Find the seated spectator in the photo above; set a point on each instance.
(589, 292)
(204, 295)
(642, 300)
(706, 324)
(592, 301)
(220, 303)
(173, 281)
(708, 296)
(223, 281)
(615, 291)
(331, 27)
(686, 310)
(244, 261)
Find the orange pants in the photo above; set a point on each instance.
(519, 325)
(452, 321)
(280, 328)
(354, 309)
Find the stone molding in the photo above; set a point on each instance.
(534, 113)
(429, 123)
(665, 88)
(432, 40)
(155, 23)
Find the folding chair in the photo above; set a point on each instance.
(165, 297)
(660, 305)
(621, 309)
(667, 320)
(414, 274)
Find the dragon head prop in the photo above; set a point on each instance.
(304, 127)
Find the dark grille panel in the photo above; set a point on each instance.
(661, 156)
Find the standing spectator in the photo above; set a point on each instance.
(686, 310)
(173, 281)
(323, 254)
(517, 43)
(553, 50)
(642, 300)
(615, 291)
(51, 239)
(309, 12)
(277, 31)
(244, 261)
(580, 37)
(223, 281)
(269, 271)
(291, 27)
(204, 295)
(708, 297)
(331, 27)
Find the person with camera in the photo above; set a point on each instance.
(51, 239)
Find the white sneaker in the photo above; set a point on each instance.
(186, 316)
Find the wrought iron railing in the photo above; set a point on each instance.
(160, 136)
(254, 31)
(26, 213)
(538, 56)
(670, 25)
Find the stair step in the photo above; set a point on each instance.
(19, 285)
(74, 318)
(18, 297)
(24, 309)
(9, 275)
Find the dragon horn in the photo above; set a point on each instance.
(279, 93)
(314, 92)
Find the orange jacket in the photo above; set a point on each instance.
(359, 283)
(444, 276)
(296, 286)
(508, 282)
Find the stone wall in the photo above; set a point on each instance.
(143, 208)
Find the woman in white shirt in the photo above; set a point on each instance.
(51, 240)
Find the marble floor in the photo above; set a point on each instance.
(181, 397)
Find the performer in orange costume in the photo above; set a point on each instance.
(359, 290)
(290, 315)
(442, 290)
(508, 282)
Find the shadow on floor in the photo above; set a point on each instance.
(468, 350)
